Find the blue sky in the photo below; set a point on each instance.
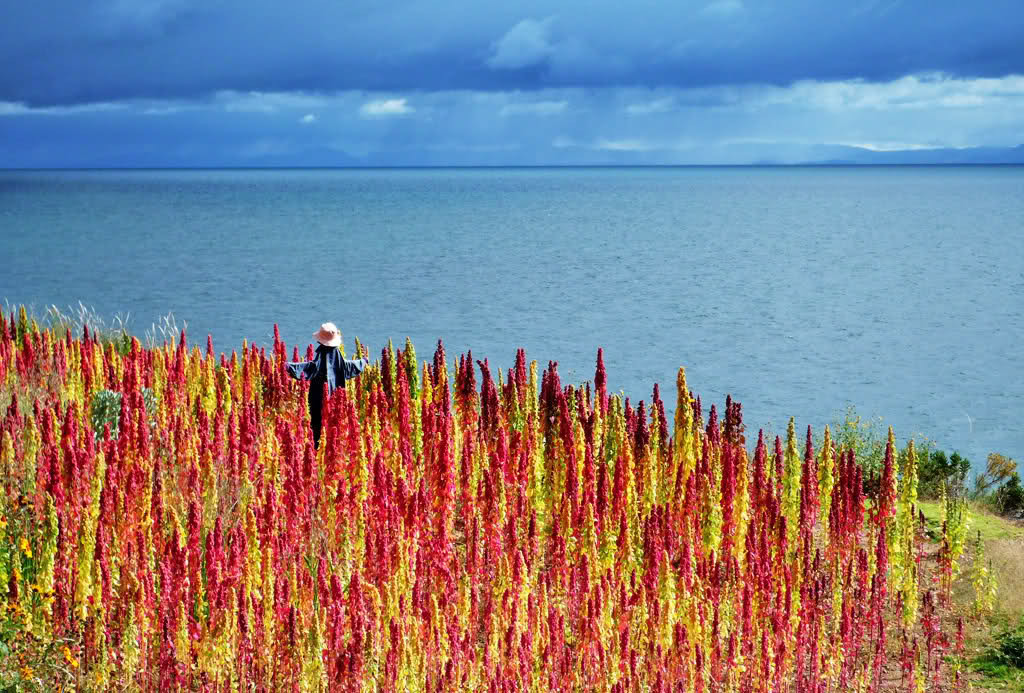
(335, 82)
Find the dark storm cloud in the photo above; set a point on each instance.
(79, 51)
(805, 121)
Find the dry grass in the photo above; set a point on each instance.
(1007, 558)
(164, 330)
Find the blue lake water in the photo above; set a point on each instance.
(899, 290)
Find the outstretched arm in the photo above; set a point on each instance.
(301, 370)
(354, 367)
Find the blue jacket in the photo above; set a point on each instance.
(328, 366)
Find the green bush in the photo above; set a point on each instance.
(1010, 496)
(1009, 648)
(866, 437)
(1002, 662)
(935, 469)
(999, 486)
(105, 409)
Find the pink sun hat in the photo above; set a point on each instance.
(328, 335)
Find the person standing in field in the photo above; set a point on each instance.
(328, 366)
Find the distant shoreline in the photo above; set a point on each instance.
(851, 164)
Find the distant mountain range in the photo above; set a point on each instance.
(968, 155)
(734, 154)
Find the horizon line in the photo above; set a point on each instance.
(342, 167)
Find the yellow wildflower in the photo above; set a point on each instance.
(69, 658)
(3, 521)
(26, 548)
(27, 671)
